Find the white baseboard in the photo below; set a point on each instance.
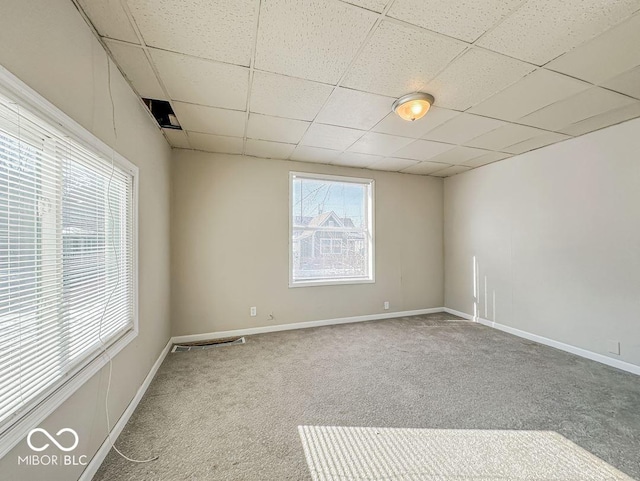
(578, 351)
(98, 458)
(301, 325)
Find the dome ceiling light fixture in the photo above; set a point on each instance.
(413, 106)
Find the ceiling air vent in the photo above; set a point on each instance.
(163, 113)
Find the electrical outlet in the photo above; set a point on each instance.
(613, 347)
(386, 305)
(254, 312)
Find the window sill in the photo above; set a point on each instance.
(330, 282)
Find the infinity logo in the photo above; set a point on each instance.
(62, 448)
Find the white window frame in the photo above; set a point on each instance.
(15, 429)
(370, 210)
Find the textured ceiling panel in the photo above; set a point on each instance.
(375, 5)
(215, 143)
(541, 30)
(190, 79)
(627, 83)
(603, 120)
(505, 136)
(356, 159)
(268, 150)
(277, 129)
(109, 19)
(393, 164)
(475, 76)
(586, 104)
(394, 125)
(485, 159)
(330, 137)
(542, 140)
(215, 29)
(422, 150)
(381, 144)
(311, 39)
(352, 108)
(449, 171)
(319, 76)
(425, 168)
(458, 155)
(604, 57)
(462, 19)
(177, 138)
(305, 153)
(462, 128)
(535, 91)
(399, 59)
(210, 120)
(133, 61)
(287, 97)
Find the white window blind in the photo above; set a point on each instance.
(66, 256)
(331, 230)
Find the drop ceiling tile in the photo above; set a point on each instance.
(541, 30)
(135, 65)
(311, 39)
(504, 136)
(400, 59)
(424, 168)
(627, 83)
(475, 76)
(215, 29)
(379, 144)
(289, 97)
(535, 91)
(458, 155)
(204, 82)
(330, 136)
(177, 138)
(210, 120)
(393, 164)
(392, 124)
(487, 158)
(456, 18)
(547, 138)
(352, 108)
(462, 128)
(304, 153)
(449, 171)
(277, 129)
(586, 104)
(603, 120)
(422, 150)
(375, 5)
(355, 159)
(604, 57)
(268, 150)
(109, 19)
(215, 143)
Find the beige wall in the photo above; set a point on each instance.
(48, 46)
(556, 237)
(230, 245)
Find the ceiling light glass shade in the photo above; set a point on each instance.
(413, 106)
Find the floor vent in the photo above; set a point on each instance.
(208, 344)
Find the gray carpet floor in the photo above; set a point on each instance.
(233, 413)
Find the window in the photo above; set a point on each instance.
(67, 252)
(331, 230)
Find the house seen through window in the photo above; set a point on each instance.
(331, 230)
